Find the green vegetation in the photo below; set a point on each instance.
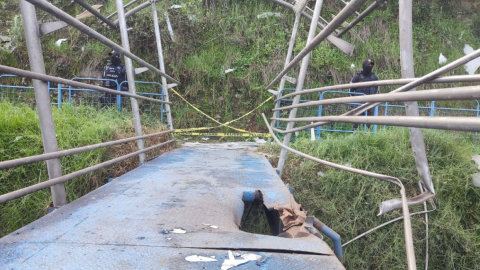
(75, 127)
(228, 35)
(348, 203)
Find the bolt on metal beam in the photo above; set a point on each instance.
(42, 97)
(46, 6)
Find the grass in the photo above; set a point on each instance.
(75, 127)
(229, 35)
(348, 203)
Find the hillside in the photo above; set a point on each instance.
(229, 35)
(212, 36)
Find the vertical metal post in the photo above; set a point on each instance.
(130, 77)
(300, 81)
(59, 96)
(49, 138)
(162, 64)
(288, 58)
(411, 108)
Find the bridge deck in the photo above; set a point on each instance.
(121, 225)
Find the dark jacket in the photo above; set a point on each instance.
(360, 77)
(116, 73)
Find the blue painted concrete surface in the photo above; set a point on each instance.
(121, 225)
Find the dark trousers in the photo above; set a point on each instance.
(370, 112)
(107, 99)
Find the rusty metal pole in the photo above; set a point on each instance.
(411, 108)
(42, 98)
(162, 63)
(300, 81)
(130, 77)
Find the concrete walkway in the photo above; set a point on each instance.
(124, 224)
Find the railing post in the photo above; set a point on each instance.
(119, 98)
(42, 98)
(300, 81)
(432, 108)
(59, 97)
(131, 79)
(162, 65)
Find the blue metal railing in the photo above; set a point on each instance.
(301, 112)
(338, 109)
(387, 109)
(59, 94)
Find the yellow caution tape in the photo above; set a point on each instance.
(213, 119)
(251, 134)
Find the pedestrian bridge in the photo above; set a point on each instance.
(129, 223)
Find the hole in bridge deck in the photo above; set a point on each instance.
(256, 220)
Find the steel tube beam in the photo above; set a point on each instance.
(411, 108)
(131, 79)
(44, 5)
(133, 11)
(338, 42)
(406, 212)
(161, 63)
(330, 28)
(289, 53)
(299, 87)
(126, 6)
(59, 180)
(39, 158)
(460, 93)
(448, 123)
(448, 79)
(345, 3)
(430, 76)
(42, 97)
(413, 84)
(47, 78)
(360, 17)
(94, 12)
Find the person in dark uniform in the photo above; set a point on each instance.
(115, 71)
(366, 75)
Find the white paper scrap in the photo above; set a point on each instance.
(196, 258)
(59, 42)
(178, 231)
(442, 59)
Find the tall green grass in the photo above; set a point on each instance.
(75, 127)
(348, 203)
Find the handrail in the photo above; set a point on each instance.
(62, 179)
(60, 14)
(43, 77)
(446, 79)
(38, 158)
